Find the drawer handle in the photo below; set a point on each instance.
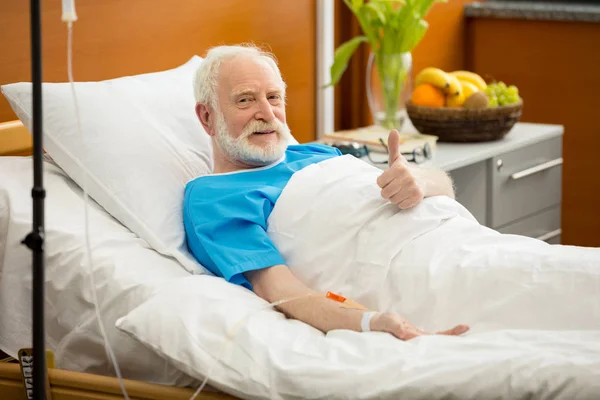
(537, 168)
(550, 235)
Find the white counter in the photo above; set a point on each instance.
(451, 156)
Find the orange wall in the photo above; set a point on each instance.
(443, 46)
(556, 66)
(114, 38)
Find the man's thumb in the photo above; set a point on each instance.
(393, 146)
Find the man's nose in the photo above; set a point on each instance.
(265, 111)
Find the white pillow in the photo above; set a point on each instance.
(142, 144)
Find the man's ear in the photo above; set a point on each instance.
(206, 117)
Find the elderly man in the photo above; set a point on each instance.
(240, 97)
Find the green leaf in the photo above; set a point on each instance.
(403, 16)
(422, 7)
(377, 11)
(388, 4)
(369, 29)
(356, 4)
(341, 57)
(390, 26)
(416, 35)
(412, 31)
(392, 14)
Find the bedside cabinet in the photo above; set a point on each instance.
(526, 189)
(517, 191)
(513, 185)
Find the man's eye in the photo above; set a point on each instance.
(244, 100)
(275, 96)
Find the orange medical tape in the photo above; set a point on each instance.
(335, 297)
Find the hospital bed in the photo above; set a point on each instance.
(268, 356)
(171, 324)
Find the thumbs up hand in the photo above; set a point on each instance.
(398, 183)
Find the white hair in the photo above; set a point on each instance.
(205, 83)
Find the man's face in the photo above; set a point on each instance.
(250, 120)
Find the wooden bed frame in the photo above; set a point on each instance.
(69, 385)
(15, 140)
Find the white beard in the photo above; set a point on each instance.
(240, 149)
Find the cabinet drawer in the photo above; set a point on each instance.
(525, 181)
(544, 226)
(471, 189)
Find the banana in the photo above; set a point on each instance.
(456, 100)
(455, 88)
(472, 77)
(433, 76)
(468, 88)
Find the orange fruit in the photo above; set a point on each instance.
(428, 95)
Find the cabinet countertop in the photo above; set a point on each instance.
(451, 156)
(526, 10)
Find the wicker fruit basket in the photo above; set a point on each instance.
(465, 124)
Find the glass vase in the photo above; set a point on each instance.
(389, 87)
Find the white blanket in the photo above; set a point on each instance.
(433, 264)
(534, 308)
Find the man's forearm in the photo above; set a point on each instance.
(323, 314)
(434, 182)
(278, 283)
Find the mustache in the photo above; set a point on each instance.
(260, 126)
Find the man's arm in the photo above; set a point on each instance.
(278, 283)
(433, 181)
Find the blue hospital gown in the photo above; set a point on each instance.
(225, 215)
